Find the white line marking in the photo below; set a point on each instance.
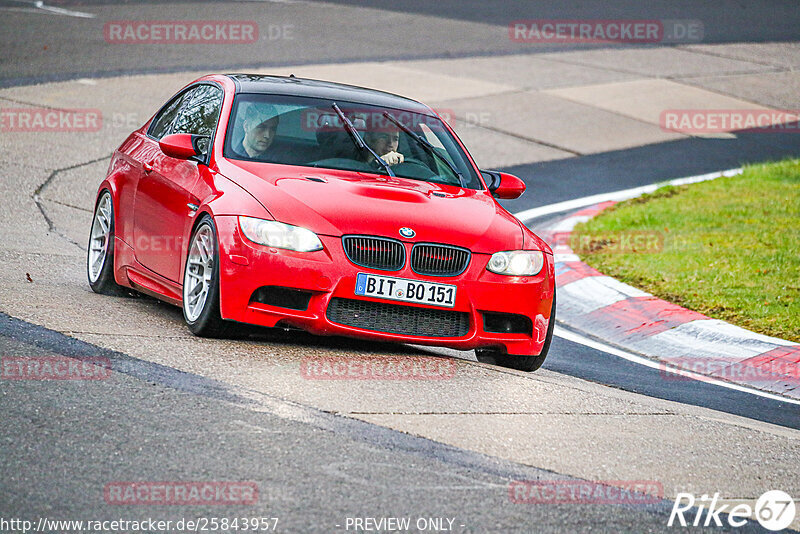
(39, 5)
(594, 292)
(577, 338)
(569, 224)
(562, 258)
(20, 9)
(251, 428)
(625, 194)
(708, 338)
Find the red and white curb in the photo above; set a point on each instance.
(680, 340)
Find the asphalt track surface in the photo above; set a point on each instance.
(318, 468)
(154, 422)
(321, 32)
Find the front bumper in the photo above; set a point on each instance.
(328, 274)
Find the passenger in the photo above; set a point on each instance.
(260, 124)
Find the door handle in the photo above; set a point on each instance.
(148, 166)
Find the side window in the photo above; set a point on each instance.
(163, 121)
(200, 111)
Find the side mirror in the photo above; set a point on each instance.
(183, 145)
(503, 185)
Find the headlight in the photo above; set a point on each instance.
(279, 235)
(517, 262)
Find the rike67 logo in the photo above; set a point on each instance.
(774, 510)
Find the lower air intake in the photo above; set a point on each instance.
(282, 297)
(398, 319)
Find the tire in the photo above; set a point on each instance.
(201, 304)
(100, 252)
(521, 363)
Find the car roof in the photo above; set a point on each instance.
(290, 85)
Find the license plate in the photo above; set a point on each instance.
(388, 287)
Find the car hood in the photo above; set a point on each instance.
(336, 203)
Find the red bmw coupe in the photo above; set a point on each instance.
(339, 210)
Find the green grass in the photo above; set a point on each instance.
(728, 248)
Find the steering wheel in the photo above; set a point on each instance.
(414, 168)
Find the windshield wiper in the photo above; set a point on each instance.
(424, 143)
(350, 129)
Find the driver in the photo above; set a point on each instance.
(260, 124)
(384, 143)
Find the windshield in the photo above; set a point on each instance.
(310, 132)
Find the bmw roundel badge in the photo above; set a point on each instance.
(407, 232)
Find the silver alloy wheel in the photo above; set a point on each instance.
(98, 240)
(199, 270)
